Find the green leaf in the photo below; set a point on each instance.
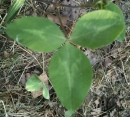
(69, 113)
(45, 92)
(70, 73)
(33, 83)
(112, 7)
(97, 29)
(16, 5)
(36, 33)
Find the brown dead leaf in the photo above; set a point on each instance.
(43, 77)
(107, 62)
(36, 94)
(56, 19)
(92, 57)
(88, 98)
(51, 8)
(6, 54)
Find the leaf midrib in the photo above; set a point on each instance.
(69, 78)
(41, 32)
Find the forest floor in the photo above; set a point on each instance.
(110, 92)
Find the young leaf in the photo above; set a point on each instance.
(33, 83)
(16, 5)
(112, 7)
(45, 92)
(97, 29)
(71, 75)
(36, 33)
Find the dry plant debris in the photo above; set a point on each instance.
(110, 92)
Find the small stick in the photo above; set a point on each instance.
(6, 115)
(62, 27)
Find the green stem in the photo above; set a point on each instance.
(43, 62)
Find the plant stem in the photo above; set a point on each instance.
(1, 101)
(43, 62)
(62, 27)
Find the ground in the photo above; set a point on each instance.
(110, 92)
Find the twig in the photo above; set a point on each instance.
(3, 20)
(6, 115)
(24, 72)
(62, 27)
(124, 72)
(31, 55)
(33, 7)
(43, 62)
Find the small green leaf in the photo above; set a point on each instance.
(70, 73)
(112, 7)
(97, 29)
(16, 5)
(36, 33)
(33, 83)
(45, 92)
